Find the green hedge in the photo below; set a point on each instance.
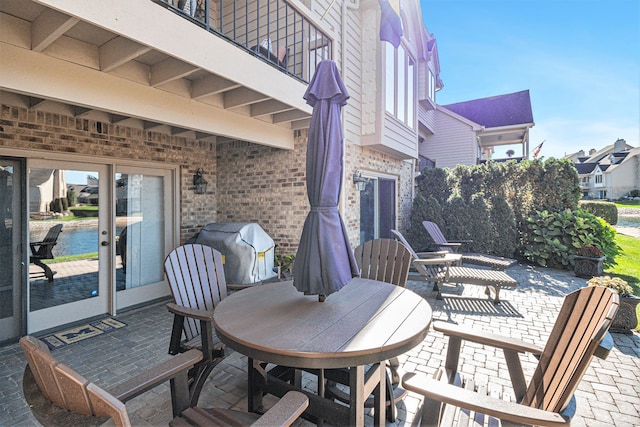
(605, 210)
(500, 206)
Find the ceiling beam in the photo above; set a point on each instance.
(119, 50)
(301, 124)
(242, 96)
(211, 85)
(271, 106)
(49, 26)
(289, 116)
(168, 70)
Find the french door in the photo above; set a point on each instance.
(117, 225)
(144, 210)
(71, 280)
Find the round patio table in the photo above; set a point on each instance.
(366, 323)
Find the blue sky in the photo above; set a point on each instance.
(579, 59)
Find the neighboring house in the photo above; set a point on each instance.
(466, 133)
(141, 95)
(609, 173)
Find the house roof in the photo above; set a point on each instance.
(585, 168)
(497, 111)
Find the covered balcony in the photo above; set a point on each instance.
(207, 69)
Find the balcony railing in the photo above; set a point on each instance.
(272, 30)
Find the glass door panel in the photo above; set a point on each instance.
(69, 235)
(143, 226)
(11, 232)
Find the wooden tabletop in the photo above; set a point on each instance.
(365, 322)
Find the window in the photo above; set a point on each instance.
(599, 178)
(432, 86)
(400, 84)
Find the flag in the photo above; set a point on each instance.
(390, 23)
(536, 150)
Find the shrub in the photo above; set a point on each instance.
(71, 198)
(589, 251)
(433, 182)
(552, 238)
(605, 210)
(458, 219)
(479, 225)
(423, 209)
(503, 228)
(617, 284)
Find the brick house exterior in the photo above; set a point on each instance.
(88, 85)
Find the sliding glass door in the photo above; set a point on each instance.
(11, 238)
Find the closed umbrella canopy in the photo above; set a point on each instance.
(324, 262)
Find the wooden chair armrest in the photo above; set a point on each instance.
(192, 313)
(448, 245)
(486, 338)
(508, 411)
(156, 375)
(285, 412)
(432, 254)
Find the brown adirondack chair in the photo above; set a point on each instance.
(196, 276)
(387, 261)
(576, 337)
(58, 395)
(44, 250)
(455, 246)
(437, 268)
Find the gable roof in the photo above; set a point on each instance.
(585, 168)
(497, 111)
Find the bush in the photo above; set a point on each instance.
(433, 182)
(71, 198)
(503, 228)
(552, 238)
(479, 225)
(458, 219)
(605, 210)
(423, 209)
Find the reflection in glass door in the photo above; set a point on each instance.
(377, 209)
(11, 306)
(144, 233)
(69, 236)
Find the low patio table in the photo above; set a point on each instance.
(366, 323)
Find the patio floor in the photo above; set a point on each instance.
(608, 395)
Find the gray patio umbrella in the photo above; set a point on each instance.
(324, 262)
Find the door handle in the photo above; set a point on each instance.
(105, 243)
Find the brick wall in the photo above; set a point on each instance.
(247, 182)
(264, 185)
(37, 131)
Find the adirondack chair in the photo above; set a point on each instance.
(441, 243)
(58, 395)
(44, 250)
(437, 268)
(196, 276)
(387, 261)
(580, 332)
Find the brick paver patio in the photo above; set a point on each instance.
(608, 395)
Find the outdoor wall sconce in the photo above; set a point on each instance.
(200, 182)
(359, 181)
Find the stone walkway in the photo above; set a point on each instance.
(608, 395)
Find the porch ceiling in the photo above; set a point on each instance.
(226, 91)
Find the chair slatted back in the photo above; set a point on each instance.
(426, 270)
(50, 240)
(436, 235)
(385, 260)
(66, 388)
(196, 276)
(584, 319)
